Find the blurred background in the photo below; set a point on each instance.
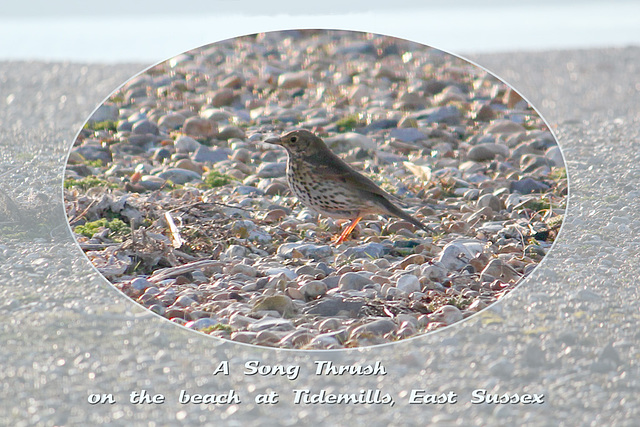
(151, 31)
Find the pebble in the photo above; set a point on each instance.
(353, 280)
(236, 251)
(179, 176)
(272, 170)
(307, 250)
(145, 127)
(184, 301)
(205, 154)
(325, 341)
(198, 127)
(202, 323)
(271, 324)
(239, 321)
(140, 284)
(503, 126)
(247, 270)
(447, 314)
(229, 132)
(497, 269)
(527, 186)
(280, 303)
(277, 189)
(288, 273)
(314, 289)
(90, 152)
(377, 327)
(490, 201)
(186, 144)
(449, 114)
(408, 284)
(487, 151)
(331, 281)
(298, 79)
(222, 97)
(171, 121)
(407, 134)
(246, 190)
(190, 165)
(274, 215)
(332, 306)
(352, 140)
(366, 251)
(457, 254)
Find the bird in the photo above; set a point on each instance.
(324, 182)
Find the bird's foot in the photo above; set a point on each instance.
(347, 231)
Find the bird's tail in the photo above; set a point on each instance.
(394, 210)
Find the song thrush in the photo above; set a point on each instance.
(324, 182)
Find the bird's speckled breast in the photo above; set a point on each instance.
(327, 197)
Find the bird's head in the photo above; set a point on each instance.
(299, 143)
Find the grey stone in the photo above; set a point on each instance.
(179, 176)
(449, 114)
(308, 250)
(504, 126)
(331, 306)
(140, 284)
(152, 183)
(491, 201)
(271, 324)
(407, 134)
(377, 327)
(352, 139)
(206, 154)
(408, 283)
(203, 323)
(145, 126)
(487, 151)
(353, 281)
(313, 289)
(171, 121)
(500, 270)
(272, 170)
(457, 254)
(367, 251)
(228, 132)
(236, 251)
(246, 190)
(528, 186)
(186, 144)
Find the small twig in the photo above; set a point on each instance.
(186, 256)
(166, 273)
(7, 172)
(96, 246)
(176, 239)
(78, 217)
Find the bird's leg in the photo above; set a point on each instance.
(348, 230)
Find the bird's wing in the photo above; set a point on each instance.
(332, 167)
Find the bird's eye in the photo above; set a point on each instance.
(294, 139)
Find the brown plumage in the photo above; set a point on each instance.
(324, 182)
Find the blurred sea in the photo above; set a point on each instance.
(471, 28)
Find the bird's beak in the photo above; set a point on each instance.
(273, 140)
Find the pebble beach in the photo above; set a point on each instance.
(568, 330)
(200, 226)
